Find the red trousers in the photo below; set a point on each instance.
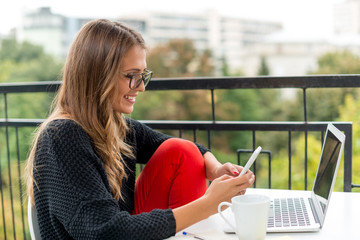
(174, 176)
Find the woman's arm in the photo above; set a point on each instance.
(221, 189)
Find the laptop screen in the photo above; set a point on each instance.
(327, 169)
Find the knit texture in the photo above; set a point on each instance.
(72, 196)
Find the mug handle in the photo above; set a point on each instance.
(221, 214)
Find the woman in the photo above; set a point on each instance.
(82, 165)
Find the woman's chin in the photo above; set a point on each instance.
(127, 111)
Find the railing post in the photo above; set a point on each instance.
(306, 141)
(289, 157)
(254, 146)
(348, 159)
(2, 201)
(20, 178)
(213, 105)
(213, 116)
(7, 144)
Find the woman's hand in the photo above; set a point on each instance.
(225, 187)
(215, 169)
(225, 184)
(228, 169)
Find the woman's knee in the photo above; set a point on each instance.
(182, 146)
(186, 149)
(178, 143)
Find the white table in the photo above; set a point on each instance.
(342, 220)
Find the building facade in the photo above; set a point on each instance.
(347, 17)
(54, 32)
(241, 43)
(226, 37)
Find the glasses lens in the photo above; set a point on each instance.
(138, 78)
(147, 78)
(138, 81)
(132, 82)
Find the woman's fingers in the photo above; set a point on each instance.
(234, 169)
(238, 184)
(246, 179)
(229, 169)
(242, 192)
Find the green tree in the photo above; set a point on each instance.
(349, 112)
(25, 62)
(180, 58)
(264, 68)
(344, 62)
(225, 67)
(176, 58)
(205, 64)
(173, 59)
(19, 52)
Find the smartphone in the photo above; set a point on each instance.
(251, 160)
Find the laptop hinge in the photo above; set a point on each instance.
(313, 210)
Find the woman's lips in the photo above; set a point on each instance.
(130, 99)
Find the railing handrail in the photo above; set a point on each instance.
(260, 125)
(303, 82)
(245, 125)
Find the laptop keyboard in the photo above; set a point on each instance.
(288, 212)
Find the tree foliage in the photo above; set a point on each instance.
(25, 62)
(176, 58)
(327, 109)
(344, 62)
(19, 52)
(264, 68)
(179, 58)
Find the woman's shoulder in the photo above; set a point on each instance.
(61, 124)
(63, 128)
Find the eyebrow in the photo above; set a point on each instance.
(134, 70)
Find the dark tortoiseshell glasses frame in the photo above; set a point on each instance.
(137, 78)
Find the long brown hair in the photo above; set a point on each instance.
(88, 89)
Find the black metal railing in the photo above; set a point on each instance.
(18, 222)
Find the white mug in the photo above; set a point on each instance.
(251, 215)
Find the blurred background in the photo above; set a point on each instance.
(190, 39)
(289, 36)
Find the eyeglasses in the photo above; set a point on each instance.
(137, 78)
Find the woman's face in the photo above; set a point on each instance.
(133, 62)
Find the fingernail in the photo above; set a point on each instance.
(236, 173)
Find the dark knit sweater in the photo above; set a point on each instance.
(73, 198)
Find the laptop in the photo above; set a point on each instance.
(307, 213)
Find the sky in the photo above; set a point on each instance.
(301, 18)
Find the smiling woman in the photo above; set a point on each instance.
(81, 169)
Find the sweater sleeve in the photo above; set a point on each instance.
(74, 188)
(146, 140)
